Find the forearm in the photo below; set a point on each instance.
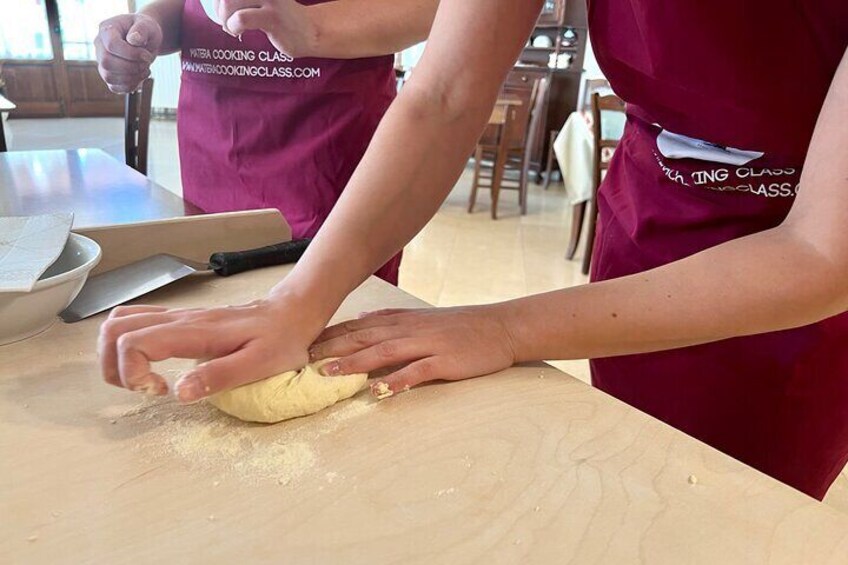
(395, 190)
(790, 276)
(418, 151)
(390, 26)
(766, 282)
(169, 15)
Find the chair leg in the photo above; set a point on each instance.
(478, 159)
(578, 211)
(549, 166)
(590, 235)
(524, 175)
(497, 178)
(498, 174)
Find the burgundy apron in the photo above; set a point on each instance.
(722, 101)
(260, 130)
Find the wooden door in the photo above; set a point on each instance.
(59, 78)
(33, 78)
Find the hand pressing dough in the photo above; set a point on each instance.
(288, 395)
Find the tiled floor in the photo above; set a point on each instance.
(458, 258)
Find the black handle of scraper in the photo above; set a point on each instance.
(234, 262)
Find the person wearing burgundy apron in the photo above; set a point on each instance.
(713, 151)
(718, 297)
(260, 129)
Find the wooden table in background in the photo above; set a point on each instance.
(89, 182)
(5, 106)
(525, 466)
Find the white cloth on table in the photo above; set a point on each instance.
(574, 146)
(28, 246)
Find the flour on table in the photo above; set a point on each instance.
(209, 440)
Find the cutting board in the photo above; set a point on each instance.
(190, 237)
(525, 466)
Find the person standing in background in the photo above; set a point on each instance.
(258, 128)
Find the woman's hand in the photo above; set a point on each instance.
(433, 344)
(126, 46)
(285, 22)
(336, 30)
(243, 344)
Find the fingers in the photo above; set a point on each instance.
(121, 311)
(182, 339)
(353, 326)
(228, 8)
(221, 374)
(383, 354)
(387, 312)
(113, 42)
(123, 84)
(421, 371)
(118, 66)
(245, 20)
(351, 342)
(145, 33)
(124, 63)
(124, 320)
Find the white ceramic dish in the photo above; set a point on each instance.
(25, 314)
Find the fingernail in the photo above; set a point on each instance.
(312, 354)
(145, 384)
(190, 389)
(331, 369)
(149, 387)
(134, 38)
(147, 57)
(362, 315)
(381, 390)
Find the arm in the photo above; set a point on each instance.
(344, 29)
(126, 45)
(169, 15)
(398, 186)
(793, 275)
(438, 116)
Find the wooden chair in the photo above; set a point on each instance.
(137, 126)
(513, 169)
(600, 163)
(590, 87)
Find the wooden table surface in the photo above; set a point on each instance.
(526, 466)
(89, 182)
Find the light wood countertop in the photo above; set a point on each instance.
(526, 466)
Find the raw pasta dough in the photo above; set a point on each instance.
(288, 395)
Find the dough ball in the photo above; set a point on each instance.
(288, 395)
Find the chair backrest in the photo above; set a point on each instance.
(590, 87)
(538, 116)
(600, 104)
(518, 116)
(137, 107)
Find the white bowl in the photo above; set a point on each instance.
(25, 314)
